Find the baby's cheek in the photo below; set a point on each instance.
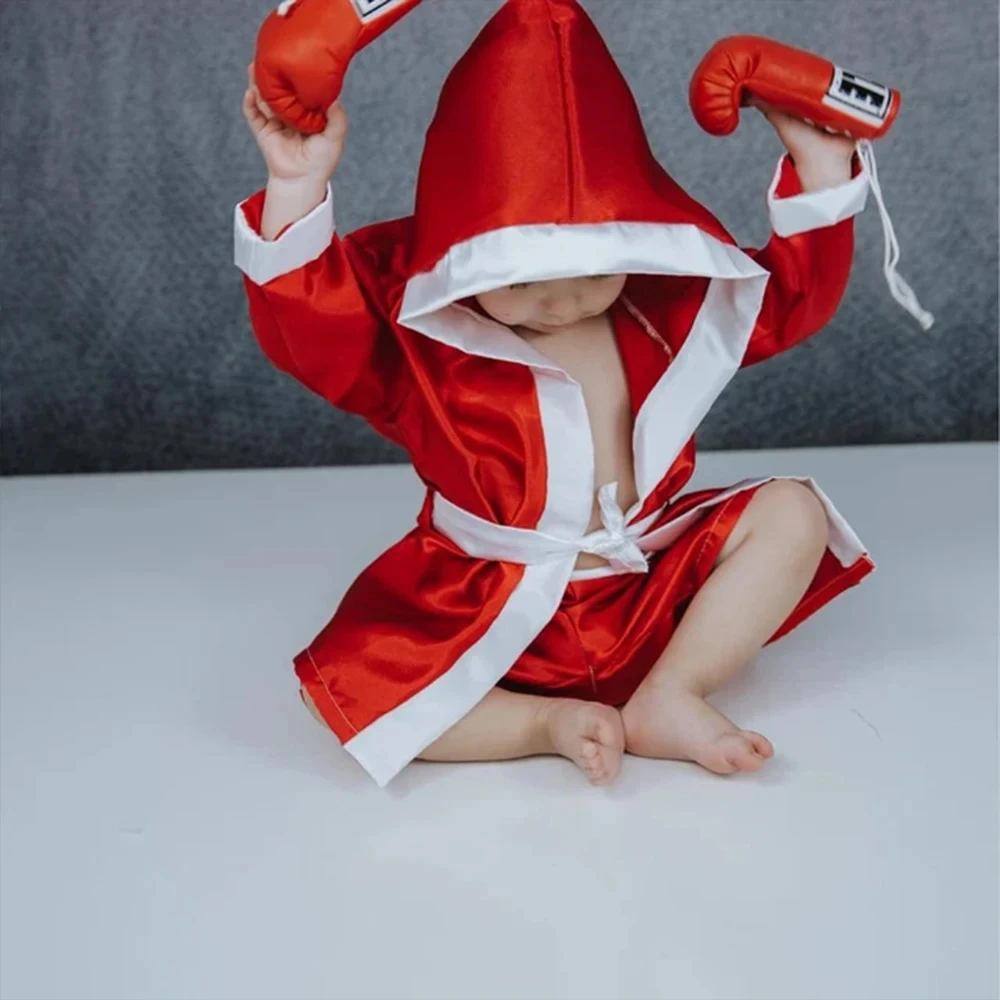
(508, 316)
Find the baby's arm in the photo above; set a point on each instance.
(314, 302)
(288, 201)
(814, 199)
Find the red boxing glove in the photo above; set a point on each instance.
(812, 89)
(304, 48)
(799, 83)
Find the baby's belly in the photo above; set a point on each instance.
(609, 411)
(587, 561)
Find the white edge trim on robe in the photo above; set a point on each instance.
(843, 543)
(301, 243)
(388, 744)
(816, 209)
(706, 363)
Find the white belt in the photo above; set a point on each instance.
(616, 542)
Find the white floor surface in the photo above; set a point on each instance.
(174, 825)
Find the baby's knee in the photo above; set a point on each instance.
(796, 513)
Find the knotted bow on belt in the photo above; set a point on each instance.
(616, 542)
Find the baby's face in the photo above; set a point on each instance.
(547, 306)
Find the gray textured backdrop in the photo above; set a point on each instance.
(125, 343)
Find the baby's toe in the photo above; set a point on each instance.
(612, 768)
(742, 754)
(724, 762)
(610, 735)
(598, 774)
(761, 744)
(590, 757)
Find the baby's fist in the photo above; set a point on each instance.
(291, 155)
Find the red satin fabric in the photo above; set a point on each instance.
(608, 633)
(402, 624)
(809, 276)
(536, 124)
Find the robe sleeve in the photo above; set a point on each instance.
(809, 258)
(317, 313)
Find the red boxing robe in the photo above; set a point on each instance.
(536, 167)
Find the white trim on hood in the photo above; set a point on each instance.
(547, 252)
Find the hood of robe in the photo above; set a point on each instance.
(536, 167)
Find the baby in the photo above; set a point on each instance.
(543, 337)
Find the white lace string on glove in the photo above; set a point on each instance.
(613, 543)
(900, 290)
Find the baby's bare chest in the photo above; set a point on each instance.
(589, 353)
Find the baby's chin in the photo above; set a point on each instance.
(554, 327)
(540, 328)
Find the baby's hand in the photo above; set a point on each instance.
(291, 155)
(804, 141)
(821, 160)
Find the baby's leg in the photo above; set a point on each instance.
(505, 725)
(764, 569)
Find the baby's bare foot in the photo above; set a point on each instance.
(670, 722)
(590, 735)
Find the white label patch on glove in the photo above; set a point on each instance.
(369, 10)
(860, 98)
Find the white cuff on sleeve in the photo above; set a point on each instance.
(264, 260)
(816, 209)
